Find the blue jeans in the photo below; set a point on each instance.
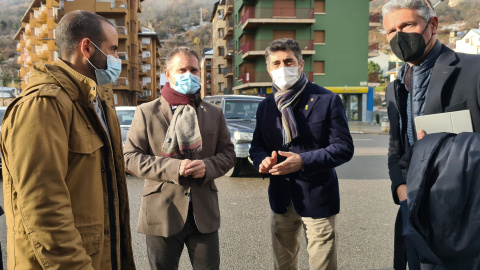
(413, 258)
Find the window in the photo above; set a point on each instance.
(319, 67)
(319, 37)
(319, 6)
(467, 40)
(220, 14)
(220, 33)
(221, 51)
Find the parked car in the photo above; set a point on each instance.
(2, 112)
(240, 113)
(125, 117)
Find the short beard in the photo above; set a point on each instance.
(98, 62)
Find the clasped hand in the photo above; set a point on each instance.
(293, 163)
(194, 168)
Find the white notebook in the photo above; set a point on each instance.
(453, 122)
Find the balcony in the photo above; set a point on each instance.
(256, 48)
(228, 7)
(121, 83)
(229, 52)
(374, 21)
(229, 28)
(122, 32)
(373, 50)
(255, 77)
(111, 6)
(253, 17)
(227, 71)
(41, 14)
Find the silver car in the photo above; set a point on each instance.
(240, 113)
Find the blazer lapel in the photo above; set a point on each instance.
(307, 104)
(166, 110)
(442, 71)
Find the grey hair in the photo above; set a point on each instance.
(424, 10)
(283, 44)
(182, 49)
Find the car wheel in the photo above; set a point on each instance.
(235, 171)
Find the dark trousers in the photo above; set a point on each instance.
(203, 248)
(413, 258)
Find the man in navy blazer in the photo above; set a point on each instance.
(301, 136)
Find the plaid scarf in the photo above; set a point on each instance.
(284, 100)
(183, 133)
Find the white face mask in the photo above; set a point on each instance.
(285, 77)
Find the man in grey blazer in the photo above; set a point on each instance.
(180, 145)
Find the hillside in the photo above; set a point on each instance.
(179, 23)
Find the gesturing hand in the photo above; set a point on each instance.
(293, 163)
(268, 163)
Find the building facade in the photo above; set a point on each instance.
(150, 71)
(36, 39)
(469, 43)
(333, 36)
(223, 47)
(206, 72)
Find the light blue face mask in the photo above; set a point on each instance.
(186, 83)
(111, 74)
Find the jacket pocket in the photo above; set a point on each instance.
(148, 190)
(86, 144)
(91, 243)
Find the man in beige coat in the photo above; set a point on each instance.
(65, 190)
(180, 145)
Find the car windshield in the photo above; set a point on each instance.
(241, 109)
(125, 117)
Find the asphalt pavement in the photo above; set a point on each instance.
(364, 225)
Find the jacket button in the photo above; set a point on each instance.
(103, 170)
(107, 232)
(119, 157)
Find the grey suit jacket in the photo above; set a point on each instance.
(165, 201)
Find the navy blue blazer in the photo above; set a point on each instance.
(324, 143)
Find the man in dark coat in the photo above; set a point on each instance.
(434, 79)
(300, 137)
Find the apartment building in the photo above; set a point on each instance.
(333, 36)
(150, 71)
(206, 72)
(223, 47)
(36, 39)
